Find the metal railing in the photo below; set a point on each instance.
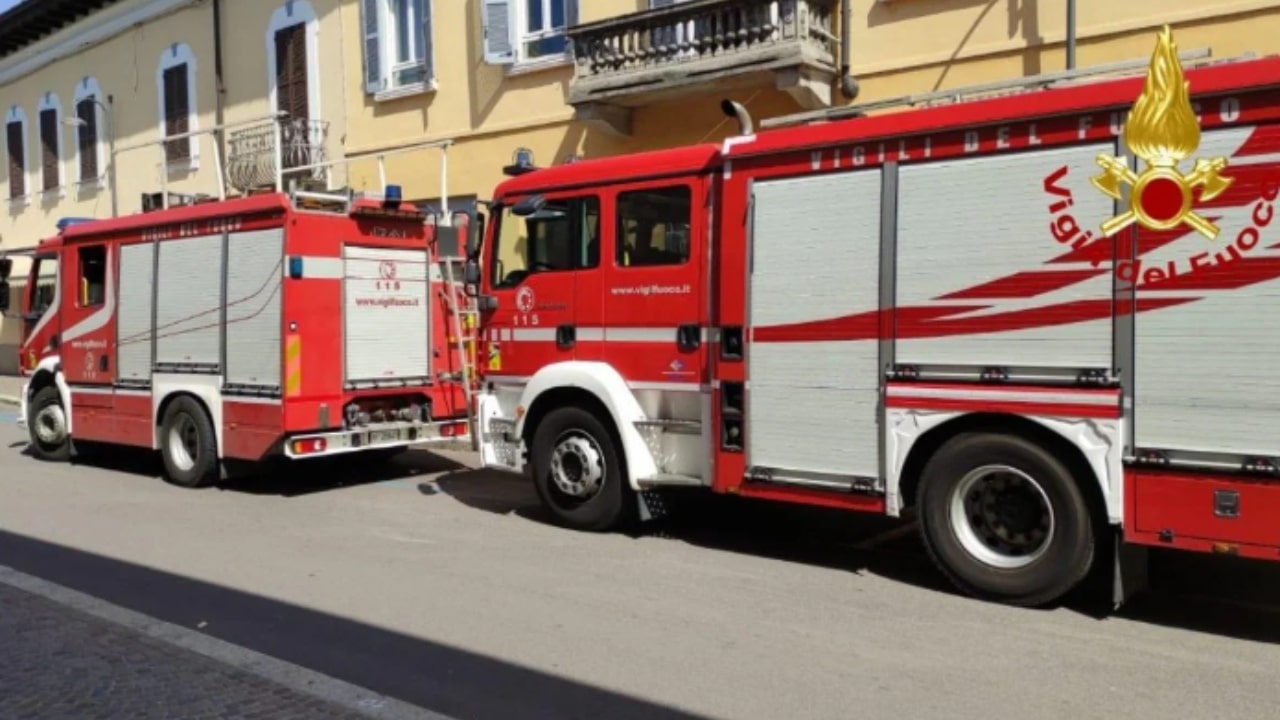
(700, 29)
(251, 153)
(219, 131)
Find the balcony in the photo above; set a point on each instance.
(251, 161)
(636, 59)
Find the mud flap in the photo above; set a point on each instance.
(1130, 575)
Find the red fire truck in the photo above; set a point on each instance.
(1041, 320)
(297, 324)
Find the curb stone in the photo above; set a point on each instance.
(9, 400)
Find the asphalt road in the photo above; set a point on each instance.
(444, 587)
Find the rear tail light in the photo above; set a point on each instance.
(453, 429)
(309, 447)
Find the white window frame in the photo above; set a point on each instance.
(513, 52)
(385, 35)
(88, 87)
(50, 101)
(174, 55)
(19, 115)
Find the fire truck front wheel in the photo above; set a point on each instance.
(47, 425)
(188, 445)
(576, 470)
(1005, 520)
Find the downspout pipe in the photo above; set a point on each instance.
(848, 83)
(220, 89)
(1071, 34)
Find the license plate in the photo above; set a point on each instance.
(377, 437)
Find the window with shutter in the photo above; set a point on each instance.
(49, 155)
(398, 45)
(291, 72)
(176, 112)
(14, 132)
(87, 138)
(530, 32)
(291, 94)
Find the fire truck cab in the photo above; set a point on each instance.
(1040, 321)
(296, 325)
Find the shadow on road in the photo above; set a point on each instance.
(445, 679)
(1218, 595)
(281, 477)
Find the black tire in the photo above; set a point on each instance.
(46, 410)
(1066, 553)
(188, 445)
(586, 443)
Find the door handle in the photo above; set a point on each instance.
(104, 363)
(688, 337)
(565, 336)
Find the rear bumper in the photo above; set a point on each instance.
(382, 436)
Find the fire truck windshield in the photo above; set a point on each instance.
(562, 235)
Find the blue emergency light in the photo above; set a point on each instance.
(295, 267)
(67, 222)
(391, 197)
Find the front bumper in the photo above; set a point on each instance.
(500, 447)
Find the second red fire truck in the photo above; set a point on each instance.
(1043, 321)
(296, 325)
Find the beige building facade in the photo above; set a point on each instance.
(439, 96)
(86, 82)
(566, 79)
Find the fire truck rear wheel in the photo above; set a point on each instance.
(1004, 520)
(47, 426)
(576, 470)
(188, 445)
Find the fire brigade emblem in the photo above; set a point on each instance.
(1162, 130)
(387, 276)
(525, 300)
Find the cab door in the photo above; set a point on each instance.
(542, 275)
(41, 317)
(655, 295)
(88, 326)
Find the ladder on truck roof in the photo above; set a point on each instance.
(1042, 81)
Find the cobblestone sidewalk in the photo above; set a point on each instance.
(57, 662)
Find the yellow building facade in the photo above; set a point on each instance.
(82, 84)
(645, 74)
(384, 91)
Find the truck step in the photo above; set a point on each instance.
(834, 483)
(671, 480)
(675, 427)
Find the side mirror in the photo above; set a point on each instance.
(4, 296)
(471, 272)
(529, 206)
(476, 239)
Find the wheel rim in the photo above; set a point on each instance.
(184, 443)
(577, 466)
(50, 425)
(1002, 516)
